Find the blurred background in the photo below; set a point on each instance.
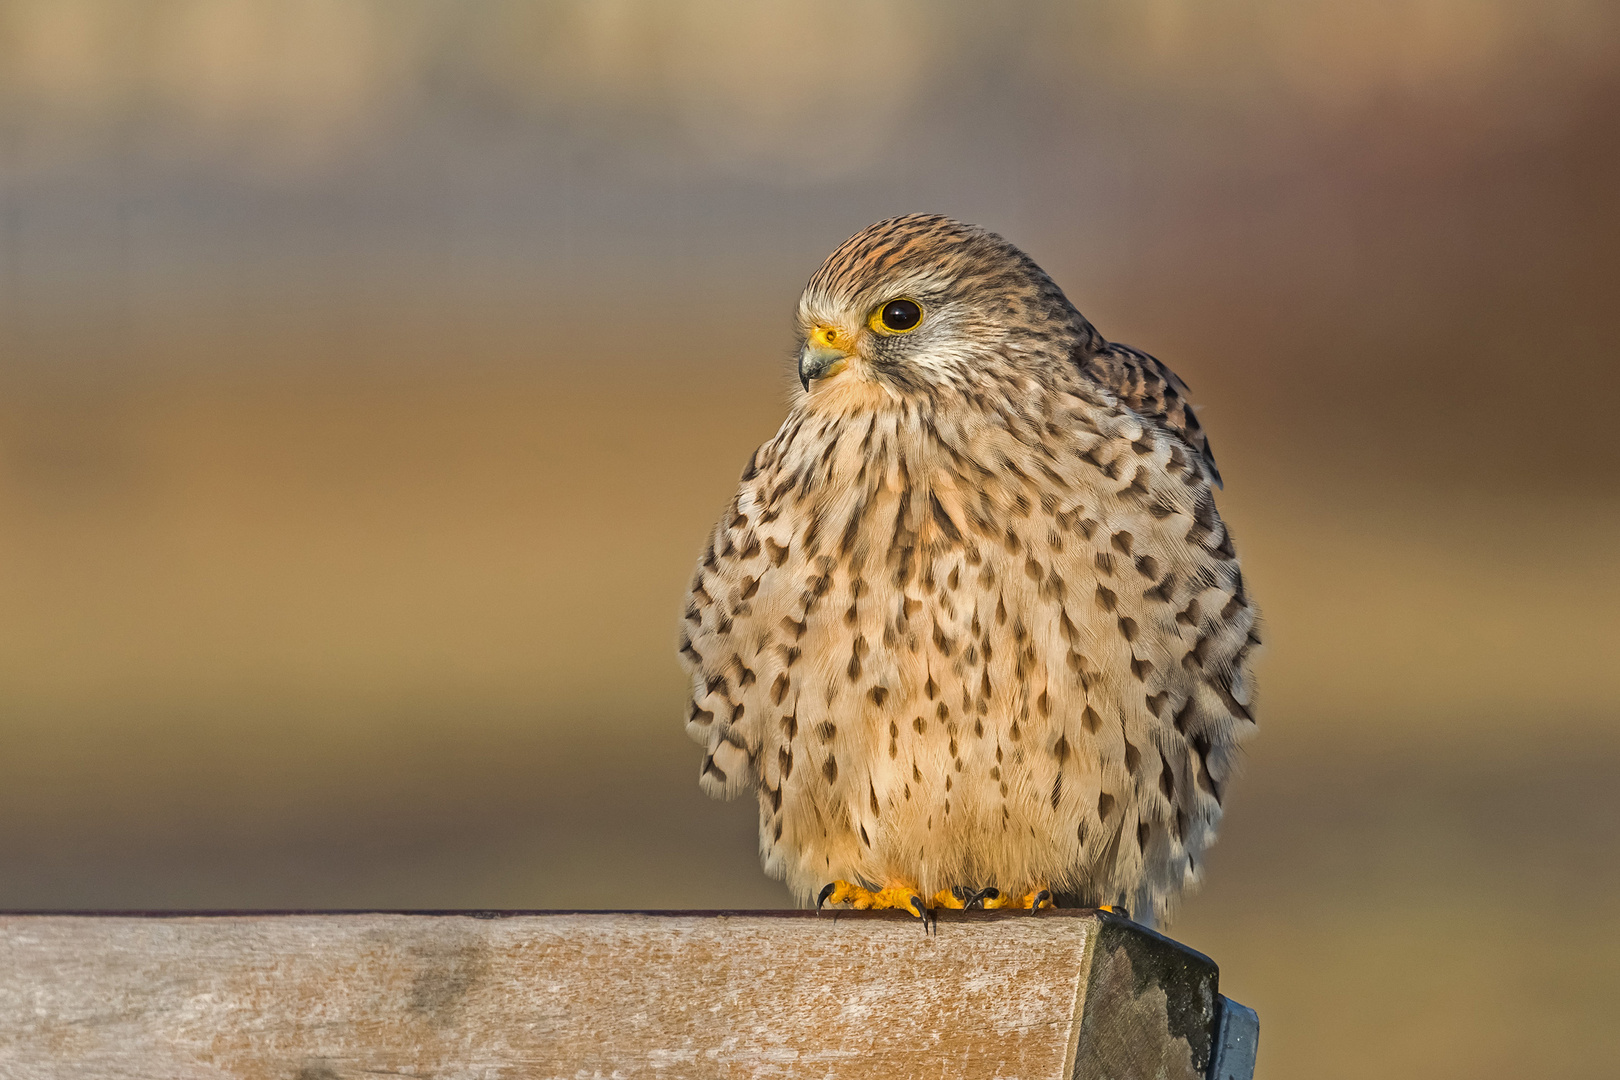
(371, 372)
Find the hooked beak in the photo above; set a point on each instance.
(820, 362)
(826, 352)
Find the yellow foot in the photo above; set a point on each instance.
(1034, 901)
(893, 898)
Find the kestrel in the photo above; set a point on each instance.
(972, 628)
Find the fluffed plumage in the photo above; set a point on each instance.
(972, 618)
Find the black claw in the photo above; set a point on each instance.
(1044, 894)
(917, 908)
(825, 892)
(982, 895)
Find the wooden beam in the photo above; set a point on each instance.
(1059, 995)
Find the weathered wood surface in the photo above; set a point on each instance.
(452, 996)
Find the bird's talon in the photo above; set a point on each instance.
(1040, 900)
(896, 897)
(863, 899)
(842, 892)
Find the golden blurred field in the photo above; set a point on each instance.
(371, 373)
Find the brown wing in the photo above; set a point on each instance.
(1152, 390)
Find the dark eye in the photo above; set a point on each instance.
(899, 316)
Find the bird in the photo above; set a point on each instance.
(971, 628)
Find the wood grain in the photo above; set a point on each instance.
(329, 996)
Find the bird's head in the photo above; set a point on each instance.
(921, 301)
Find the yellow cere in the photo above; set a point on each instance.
(825, 337)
